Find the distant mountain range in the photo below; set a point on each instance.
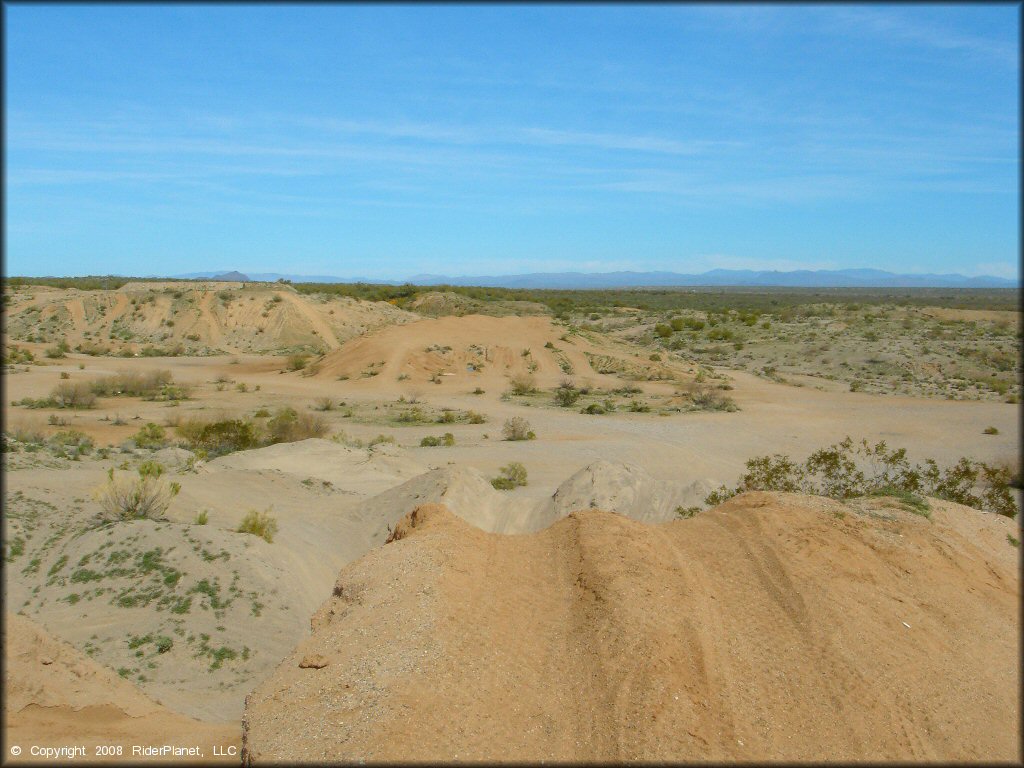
(821, 278)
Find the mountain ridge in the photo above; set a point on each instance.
(804, 278)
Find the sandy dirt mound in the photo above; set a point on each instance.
(622, 488)
(55, 695)
(192, 318)
(775, 626)
(625, 489)
(440, 303)
(480, 350)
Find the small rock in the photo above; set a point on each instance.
(45, 660)
(313, 661)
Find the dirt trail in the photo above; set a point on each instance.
(775, 626)
(315, 319)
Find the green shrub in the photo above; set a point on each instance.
(567, 395)
(150, 436)
(846, 470)
(917, 503)
(990, 431)
(202, 518)
(59, 350)
(259, 524)
(288, 425)
(217, 438)
(512, 476)
(297, 362)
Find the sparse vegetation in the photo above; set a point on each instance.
(512, 476)
(517, 428)
(145, 497)
(846, 470)
(259, 524)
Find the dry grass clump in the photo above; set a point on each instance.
(145, 497)
(517, 428)
(26, 430)
(149, 385)
(259, 524)
(522, 384)
(706, 398)
(73, 394)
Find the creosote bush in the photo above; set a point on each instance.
(512, 476)
(517, 428)
(846, 470)
(218, 437)
(150, 436)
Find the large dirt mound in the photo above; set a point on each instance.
(192, 318)
(625, 489)
(775, 626)
(484, 351)
(53, 694)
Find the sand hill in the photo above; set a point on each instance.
(201, 317)
(774, 626)
(625, 489)
(55, 695)
(484, 351)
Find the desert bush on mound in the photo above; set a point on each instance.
(517, 428)
(146, 497)
(512, 476)
(846, 470)
(259, 524)
(75, 394)
(288, 425)
(222, 436)
(216, 438)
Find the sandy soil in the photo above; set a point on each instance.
(336, 502)
(55, 697)
(773, 627)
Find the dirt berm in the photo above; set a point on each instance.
(773, 627)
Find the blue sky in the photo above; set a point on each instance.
(388, 140)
